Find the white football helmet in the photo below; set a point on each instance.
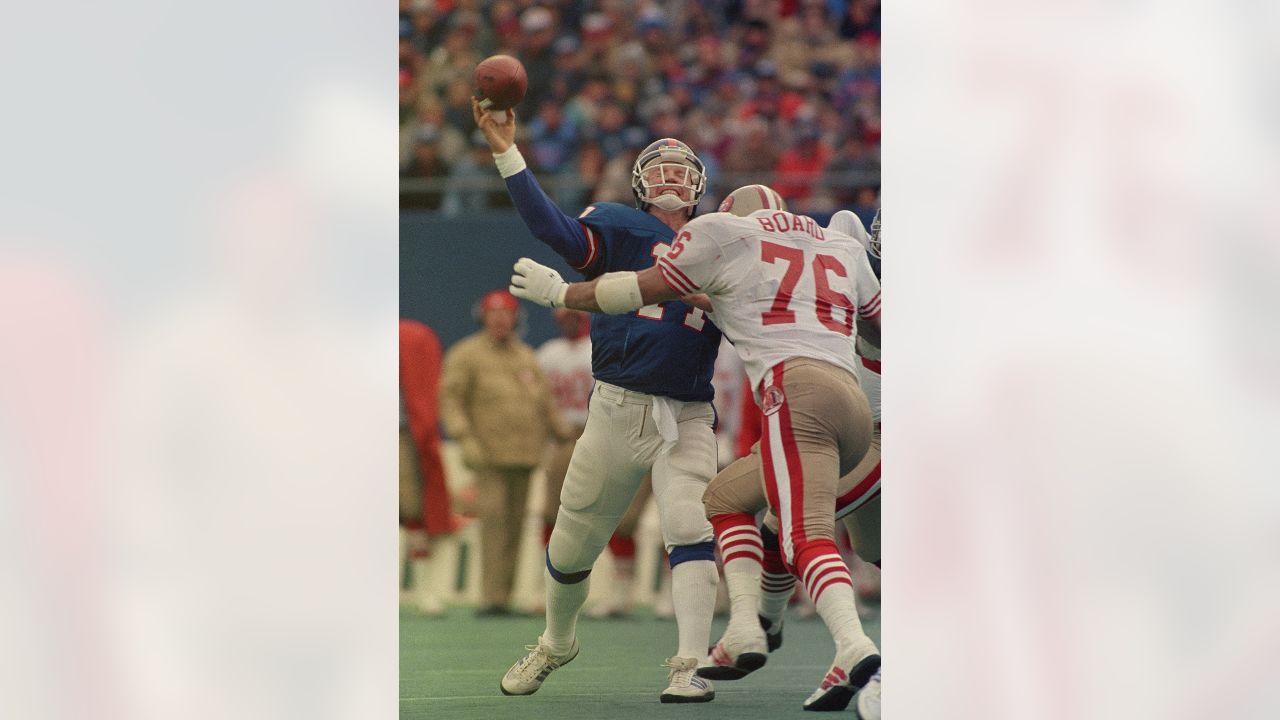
(875, 235)
(750, 198)
(663, 164)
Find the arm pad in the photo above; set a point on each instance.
(618, 292)
(509, 162)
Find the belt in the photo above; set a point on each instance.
(622, 395)
(666, 412)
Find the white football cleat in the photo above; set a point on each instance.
(526, 676)
(740, 652)
(684, 684)
(850, 672)
(867, 704)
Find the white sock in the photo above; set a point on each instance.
(829, 580)
(693, 593)
(563, 603)
(742, 579)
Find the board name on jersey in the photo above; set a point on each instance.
(781, 222)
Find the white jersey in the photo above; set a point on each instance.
(868, 355)
(567, 364)
(727, 380)
(782, 285)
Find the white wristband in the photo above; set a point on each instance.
(558, 300)
(618, 292)
(509, 161)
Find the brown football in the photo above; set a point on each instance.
(500, 82)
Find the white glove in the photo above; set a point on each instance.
(538, 283)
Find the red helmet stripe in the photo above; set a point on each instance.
(764, 199)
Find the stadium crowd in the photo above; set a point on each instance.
(781, 92)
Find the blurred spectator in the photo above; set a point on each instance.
(427, 163)
(652, 29)
(552, 138)
(584, 108)
(570, 68)
(425, 507)
(850, 167)
(538, 25)
(552, 142)
(710, 67)
(754, 43)
(862, 17)
(624, 73)
(504, 18)
(455, 58)
(469, 186)
(866, 200)
(597, 39)
(425, 27)
(613, 133)
(590, 170)
(496, 403)
(755, 153)
(457, 108)
(800, 166)
(426, 160)
(451, 141)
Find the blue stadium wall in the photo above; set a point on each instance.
(447, 263)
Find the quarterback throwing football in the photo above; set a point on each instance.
(789, 294)
(650, 409)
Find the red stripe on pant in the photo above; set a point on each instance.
(854, 498)
(766, 464)
(795, 471)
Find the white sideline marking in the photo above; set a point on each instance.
(499, 695)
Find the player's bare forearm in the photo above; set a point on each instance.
(653, 289)
(582, 296)
(698, 300)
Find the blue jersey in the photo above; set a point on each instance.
(668, 349)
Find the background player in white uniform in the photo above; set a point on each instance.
(566, 361)
(787, 293)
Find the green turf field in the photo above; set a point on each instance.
(450, 668)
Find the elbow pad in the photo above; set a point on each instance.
(618, 292)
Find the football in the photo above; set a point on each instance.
(500, 82)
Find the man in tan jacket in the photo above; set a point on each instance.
(496, 403)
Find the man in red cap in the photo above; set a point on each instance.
(496, 403)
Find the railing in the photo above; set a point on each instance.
(453, 194)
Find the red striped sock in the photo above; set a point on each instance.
(820, 566)
(740, 549)
(777, 585)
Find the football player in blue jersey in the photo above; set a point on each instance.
(650, 410)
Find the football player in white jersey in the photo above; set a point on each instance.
(566, 361)
(739, 489)
(788, 293)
